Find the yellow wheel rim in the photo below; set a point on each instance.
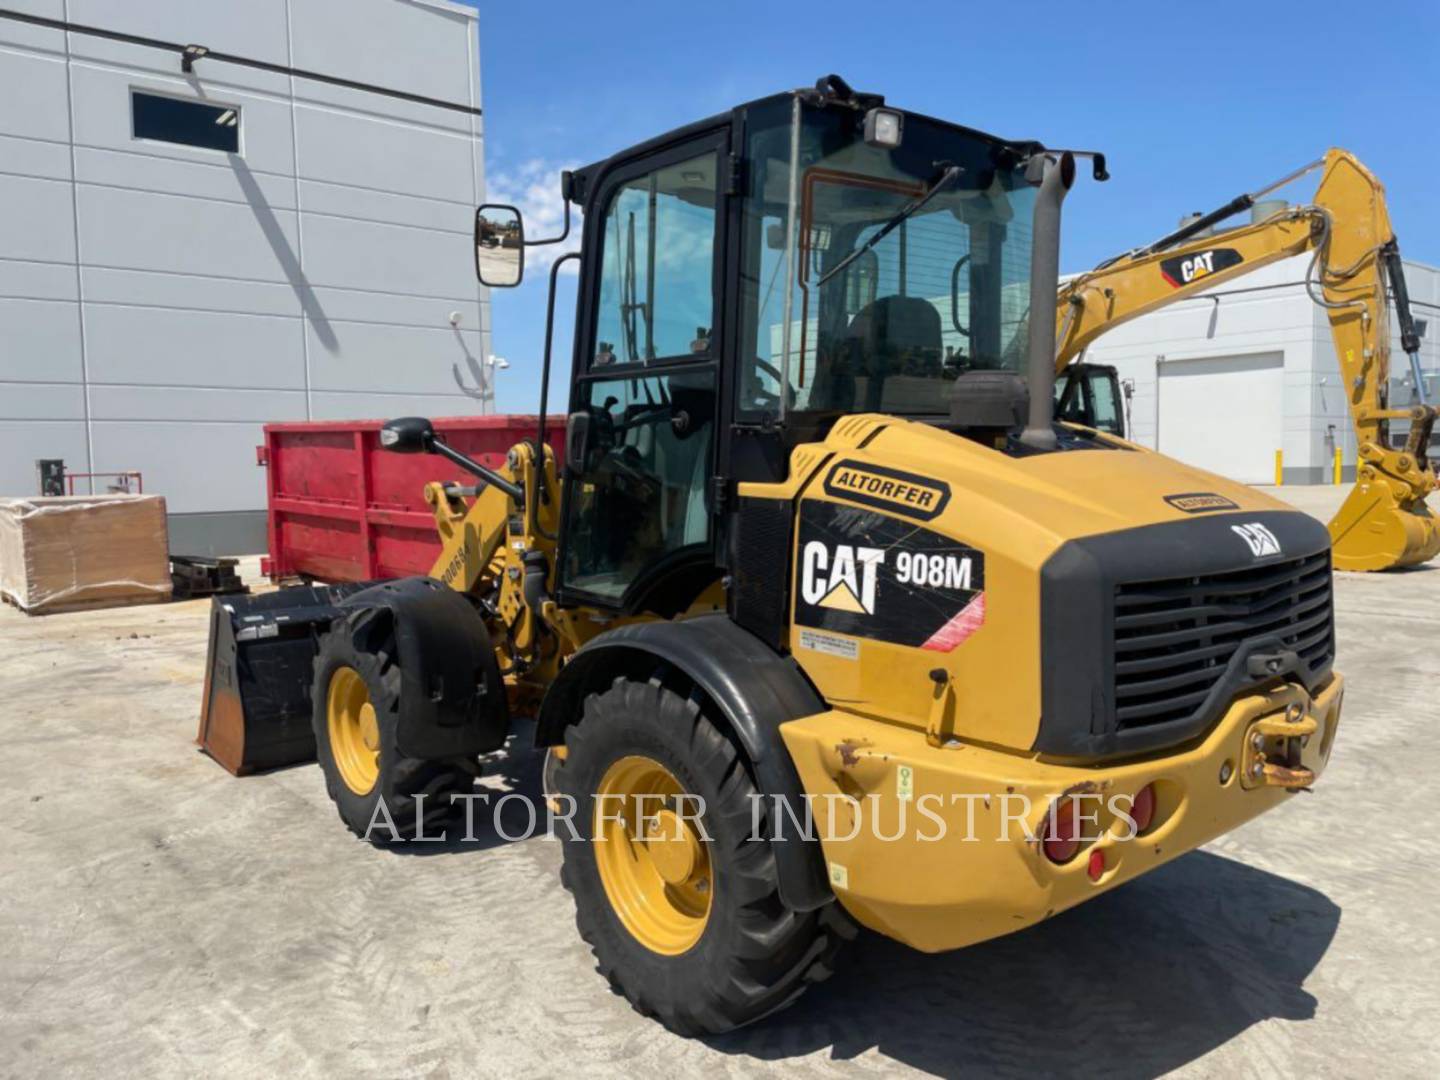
(354, 732)
(653, 862)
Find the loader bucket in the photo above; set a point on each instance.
(1373, 530)
(256, 709)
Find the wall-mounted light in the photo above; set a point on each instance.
(190, 54)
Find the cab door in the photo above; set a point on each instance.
(638, 517)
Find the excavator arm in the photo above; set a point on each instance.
(1355, 262)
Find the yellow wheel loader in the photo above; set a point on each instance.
(824, 620)
(1355, 264)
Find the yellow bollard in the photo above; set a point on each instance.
(1339, 467)
(1279, 468)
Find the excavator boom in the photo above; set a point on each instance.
(1384, 522)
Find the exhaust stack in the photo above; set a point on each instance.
(1054, 175)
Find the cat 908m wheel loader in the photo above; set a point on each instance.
(817, 542)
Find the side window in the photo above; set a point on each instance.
(1107, 409)
(656, 286)
(641, 495)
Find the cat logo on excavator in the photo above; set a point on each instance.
(1185, 270)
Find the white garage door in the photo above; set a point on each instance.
(1224, 413)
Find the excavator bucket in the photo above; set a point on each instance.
(256, 710)
(1375, 529)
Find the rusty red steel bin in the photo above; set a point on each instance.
(342, 509)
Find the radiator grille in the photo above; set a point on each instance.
(1174, 639)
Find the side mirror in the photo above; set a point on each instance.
(499, 246)
(407, 435)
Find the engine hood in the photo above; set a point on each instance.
(1068, 494)
(919, 554)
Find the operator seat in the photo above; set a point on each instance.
(892, 334)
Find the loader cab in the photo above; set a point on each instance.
(747, 281)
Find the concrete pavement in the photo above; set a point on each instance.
(159, 918)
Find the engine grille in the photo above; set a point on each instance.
(1175, 639)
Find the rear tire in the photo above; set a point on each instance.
(356, 708)
(750, 955)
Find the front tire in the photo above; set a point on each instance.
(691, 931)
(356, 709)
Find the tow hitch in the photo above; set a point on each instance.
(1272, 749)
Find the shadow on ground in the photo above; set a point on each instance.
(508, 806)
(1134, 984)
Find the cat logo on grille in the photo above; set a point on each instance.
(1261, 540)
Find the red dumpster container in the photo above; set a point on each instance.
(341, 509)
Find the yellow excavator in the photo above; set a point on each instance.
(1354, 266)
(823, 619)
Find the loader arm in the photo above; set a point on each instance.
(501, 551)
(1384, 523)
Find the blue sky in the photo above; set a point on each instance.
(1192, 103)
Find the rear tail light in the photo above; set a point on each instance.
(1062, 836)
(1142, 810)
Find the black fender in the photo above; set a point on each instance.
(452, 697)
(755, 689)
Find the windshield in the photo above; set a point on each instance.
(942, 292)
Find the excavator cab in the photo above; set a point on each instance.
(1090, 395)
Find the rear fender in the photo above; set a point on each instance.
(452, 697)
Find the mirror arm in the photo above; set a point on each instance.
(488, 475)
(564, 233)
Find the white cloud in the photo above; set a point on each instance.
(534, 187)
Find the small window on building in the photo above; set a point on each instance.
(189, 123)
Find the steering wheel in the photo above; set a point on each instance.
(772, 399)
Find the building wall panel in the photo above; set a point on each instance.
(322, 271)
(353, 39)
(156, 346)
(41, 341)
(22, 442)
(217, 473)
(37, 219)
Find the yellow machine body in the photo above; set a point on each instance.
(968, 864)
(940, 765)
(963, 749)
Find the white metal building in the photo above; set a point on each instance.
(1224, 380)
(279, 234)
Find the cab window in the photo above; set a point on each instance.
(657, 295)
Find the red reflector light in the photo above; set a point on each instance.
(1062, 836)
(1096, 869)
(1143, 809)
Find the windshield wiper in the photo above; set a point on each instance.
(948, 177)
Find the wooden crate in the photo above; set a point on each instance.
(65, 553)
